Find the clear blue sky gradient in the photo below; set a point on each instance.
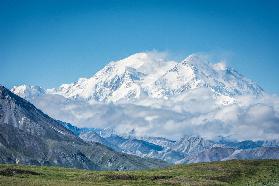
(50, 42)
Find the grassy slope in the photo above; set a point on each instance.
(257, 172)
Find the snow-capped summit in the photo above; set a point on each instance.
(151, 75)
(196, 72)
(146, 63)
(124, 79)
(28, 91)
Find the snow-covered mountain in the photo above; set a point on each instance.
(125, 79)
(153, 76)
(160, 97)
(196, 72)
(147, 75)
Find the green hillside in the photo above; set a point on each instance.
(254, 172)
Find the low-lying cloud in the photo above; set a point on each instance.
(249, 119)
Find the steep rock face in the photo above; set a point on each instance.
(28, 136)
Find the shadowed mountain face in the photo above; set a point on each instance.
(28, 136)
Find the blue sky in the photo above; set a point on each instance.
(50, 42)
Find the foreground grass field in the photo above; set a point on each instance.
(256, 172)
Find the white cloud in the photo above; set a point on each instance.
(256, 120)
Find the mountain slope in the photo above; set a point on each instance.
(28, 136)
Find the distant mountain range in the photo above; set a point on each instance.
(189, 149)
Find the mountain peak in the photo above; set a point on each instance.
(144, 62)
(195, 58)
(28, 91)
